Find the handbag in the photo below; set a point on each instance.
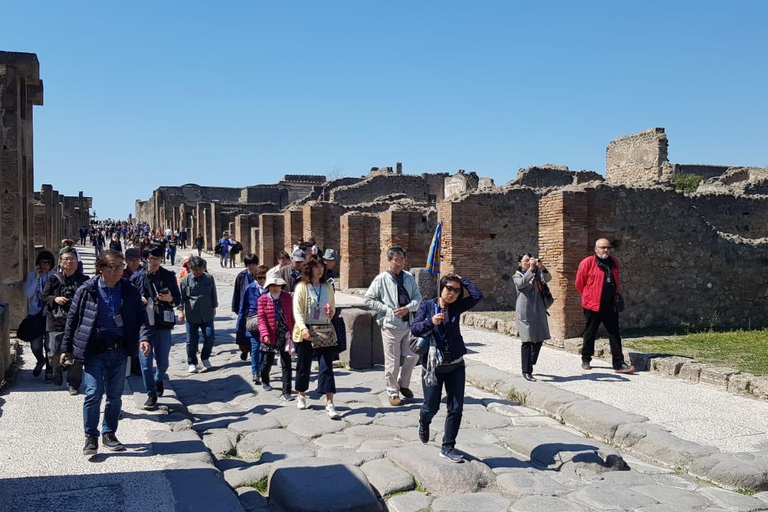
(420, 346)
(323, 335)
(252, 325)
(32, 327)
(341, 332)
(546, 295)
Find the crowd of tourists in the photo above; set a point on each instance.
(285, 313)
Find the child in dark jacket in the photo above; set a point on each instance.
(444, 364)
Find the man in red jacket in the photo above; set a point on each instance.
(598, 282)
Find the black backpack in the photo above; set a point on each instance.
(217, 248)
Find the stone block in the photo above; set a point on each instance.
(387, 478)
(573, 345)
(759, 387)
(605, 496)
(716, 375)
(690, 371)
(413, 501)
(321, 485)
(253, 443)
(735, 502)
(480, 502)
(740, 383)
(669, 365)
(597, 418)
(734, 470)
(468, 319)
(377, 345)
(251, 499)
(439, 476)
(641, 361)
(667, 449)
(426, 282)
(184, 446)
(546, 504)
(359, 351)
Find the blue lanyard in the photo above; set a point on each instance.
(319, 294)
(108, 296)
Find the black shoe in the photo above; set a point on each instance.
(423, 432)
(58, 379)
(110, 441)
(528, 376)
(73, 390)
(407, 393)
(91, 446)
(243, 356)
(266, 387)
(38, 368)
(256, 379)
(160, 387)
(451, 454)
(585, 365)
(149, 405)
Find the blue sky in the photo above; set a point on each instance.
(143, 94)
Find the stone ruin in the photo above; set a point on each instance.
(29, 221)
(678, 250)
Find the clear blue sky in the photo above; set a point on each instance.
(143, 94)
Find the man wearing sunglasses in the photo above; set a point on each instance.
(598, 283)
(108, 322)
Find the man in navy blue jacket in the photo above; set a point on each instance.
(444, 364)
(107, 322)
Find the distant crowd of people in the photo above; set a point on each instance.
(286, 313)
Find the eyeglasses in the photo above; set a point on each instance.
(114, 266)
(604, 247)
(451, 289)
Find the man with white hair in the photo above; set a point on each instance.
(598, 283)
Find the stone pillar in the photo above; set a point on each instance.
(255, 246)
(563, 243)
(399, 227)
(243, 230)
(359, 249)
(20, 89)
(321, 220)
(271, 236)
(294, 227)
(42, 227)
(399, 168)
(204, 224)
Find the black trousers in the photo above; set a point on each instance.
(529, 352)
(268, 359)
(326, 383)
(454, 383)
(611, 323)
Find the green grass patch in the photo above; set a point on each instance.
(746, 351)
(687, 183)
(419, 487)
(261, 485)
(516, 396)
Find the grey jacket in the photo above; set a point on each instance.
(198, 298)
(530, 312)
(382, 298)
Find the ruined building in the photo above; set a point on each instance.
(29, 220)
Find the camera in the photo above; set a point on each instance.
(163, 290)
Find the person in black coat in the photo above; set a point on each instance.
(107, 322)
(444, 364)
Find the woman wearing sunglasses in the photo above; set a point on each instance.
(35, 306)
(443, 365)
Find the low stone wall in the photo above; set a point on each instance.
(5, 341)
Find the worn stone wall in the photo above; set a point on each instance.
(743, 215)
(244, 224)
(737, 181)
(378, 185)
(359, 248)
(294, 227)
(255, 247)
(544, 176)
(483, 233)
(322, 221)
(673, 272)
(460, 183)
(271, 237)
(436, 185)
(411, 230)
(703, 171)
(264, 194)
(638, 159)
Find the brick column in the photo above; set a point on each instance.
(563, 243)
(255, 247)
(360, 250)
(399, 227)
(271, 236)
(294, 227)
(204, 224)
(312, 215)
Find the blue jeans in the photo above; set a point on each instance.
(193, 340)
(103, 372)
(223, 258)
(454, 382)
(161, 349)
(256, 356)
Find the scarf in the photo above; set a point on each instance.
(434, 359)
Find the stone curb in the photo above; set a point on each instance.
(196, 482)
(626, 430)
(727, 379)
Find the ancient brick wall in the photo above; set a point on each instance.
(436, 185)
(675, 267)
(460, 183)
(746, 216)
(264, 194)
(321, 221)
(255, 247)
(379, 185)
(411, 230)
(482, 235)
(244, 225)
(294, 227)
(271, 237)
(703, 171)
(360, 249)
(640, 158)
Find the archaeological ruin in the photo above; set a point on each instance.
(694, 256)
(30, 221)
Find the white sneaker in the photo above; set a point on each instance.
(207, 364)
(192, 368)
(331, 410)
(301, 402)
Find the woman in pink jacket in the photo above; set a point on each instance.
(275, 315)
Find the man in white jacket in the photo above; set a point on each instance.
(394, 295)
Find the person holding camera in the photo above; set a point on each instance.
(443, 364)
(57, 295)
(33, 290)
(530, 310)
(160, 294)
(108, 323)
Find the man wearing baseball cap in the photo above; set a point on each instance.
(291, 273)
